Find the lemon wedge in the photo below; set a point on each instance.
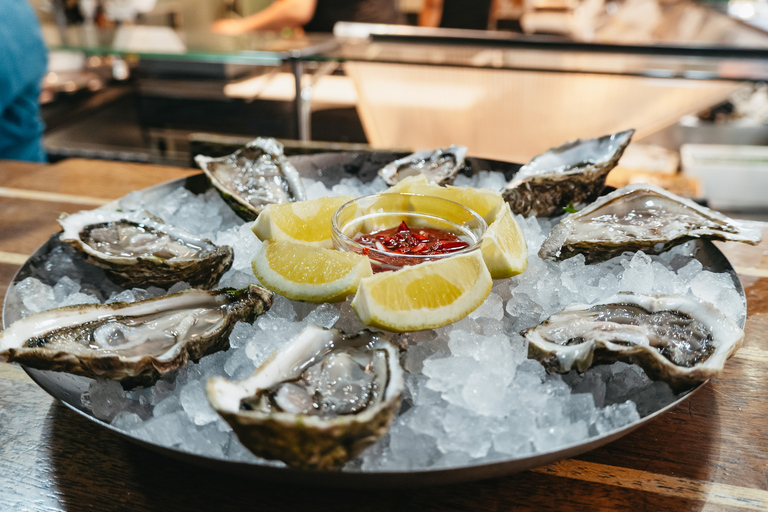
(308, 273)
(424, 296)
(504, 248)
(486, 202)
(308, 222)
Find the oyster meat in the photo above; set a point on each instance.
(639, 217)
(135, 343)
(253, 177)
(319, 401)
(573, 173)
(439, 166)
(678, 340)
(138, 249)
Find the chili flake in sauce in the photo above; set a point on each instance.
(405, 240)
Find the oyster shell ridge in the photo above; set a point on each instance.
(242, 305)
(558, 246)
(307, 441)
(291, 182)
(582, 356)
(546, 193)
(202, 271)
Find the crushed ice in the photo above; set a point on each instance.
(471, 394)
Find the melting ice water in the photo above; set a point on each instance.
(471, 394)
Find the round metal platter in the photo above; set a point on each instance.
(330, 168)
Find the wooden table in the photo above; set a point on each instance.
(709, 453)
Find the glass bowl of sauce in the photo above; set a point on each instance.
(398, 230)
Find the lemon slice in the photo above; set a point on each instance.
(504, 248)
(424, 296)
(304, 272)
(404, 185)
(302, 221)
(486, 202)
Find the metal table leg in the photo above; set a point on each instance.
(301, 104)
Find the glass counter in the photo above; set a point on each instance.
(495, 91)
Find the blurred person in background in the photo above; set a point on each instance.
(312, 15)
(472, 14)
(23, 63)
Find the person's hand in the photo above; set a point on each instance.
(231, 27)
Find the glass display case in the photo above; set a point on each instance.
(507, 95)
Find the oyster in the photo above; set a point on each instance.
(439, 166)
(253, 177)
(572, 173)
(318, 402)
(138, 249)
(640, 217)
(134, 343)
(681, 341)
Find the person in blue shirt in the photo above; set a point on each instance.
(23, 63)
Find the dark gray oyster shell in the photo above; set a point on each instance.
(253, 177)
(136, 249)
(639, 217)
(573, 173)
(681, 341)
(317, 402)
(440, 166)
(134, 343)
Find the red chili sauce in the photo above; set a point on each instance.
(405, 240)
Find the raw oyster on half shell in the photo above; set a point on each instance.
(640, 217)
(679, 340)
(135, 343)
(439, 166)
(138, 249)
(573, 173)
(253, 177)
(319, 401)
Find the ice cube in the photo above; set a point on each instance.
(195, 404)
(616, 416)
(324, 315)
(65, 287)
(168, 430)
(168, 405)
(107, 398)
(35, 295)
(125, 420)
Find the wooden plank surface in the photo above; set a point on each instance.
(709, 453)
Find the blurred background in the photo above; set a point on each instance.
(147, 81)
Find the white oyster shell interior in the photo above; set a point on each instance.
(318, 375)
(680, 340)
(439, 165)
(116, 235)
(639, 217)
(154, 329)
(575, 156)
(256, 175)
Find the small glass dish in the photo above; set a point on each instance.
(375, 213)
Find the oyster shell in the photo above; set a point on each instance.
(640, 217)
(318, 402)
(134, 343)
(572, 173)
(253, 177)
(439, 166)
(681, 341)
(138, 249)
